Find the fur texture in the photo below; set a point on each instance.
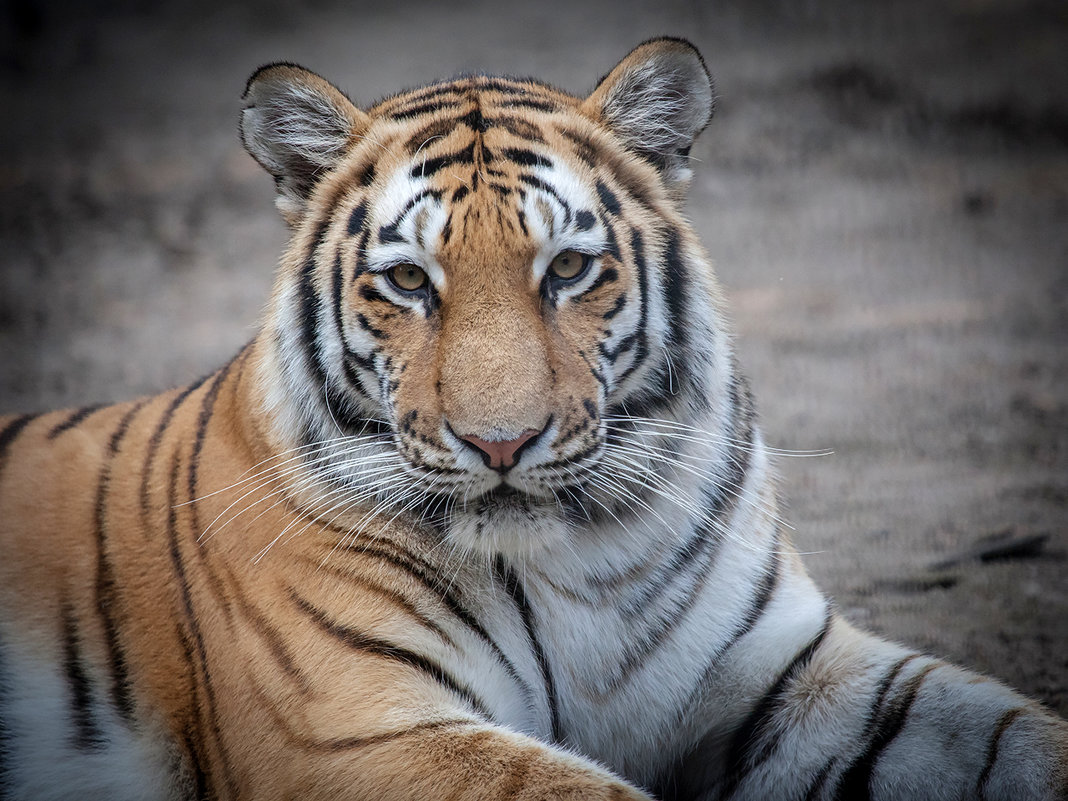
(302, 576)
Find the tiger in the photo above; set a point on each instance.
(482, 511)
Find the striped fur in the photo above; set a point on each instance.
(301, 576)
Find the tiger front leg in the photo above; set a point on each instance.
(458, 759)
(854, 717)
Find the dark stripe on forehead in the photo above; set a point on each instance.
(526, 102)
(438, 129)
(584, 220)
(519, 127)
(428, 167)
(425, 108)
(528, 158)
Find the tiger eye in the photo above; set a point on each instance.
(408, 277)
(568, 264)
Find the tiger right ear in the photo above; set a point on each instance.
(657, 100)
(298, 126)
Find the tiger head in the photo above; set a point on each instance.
(484, 274)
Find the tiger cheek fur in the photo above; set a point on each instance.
(482, 512)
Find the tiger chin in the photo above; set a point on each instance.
(483, 511)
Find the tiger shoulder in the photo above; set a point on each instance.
(483, 511)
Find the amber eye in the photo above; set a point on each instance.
(408, 277)
(569, 264)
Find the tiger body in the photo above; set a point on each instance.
(507, 533)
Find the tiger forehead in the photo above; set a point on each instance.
(500, 94)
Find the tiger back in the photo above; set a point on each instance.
(482, 512)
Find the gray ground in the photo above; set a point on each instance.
(885, 191)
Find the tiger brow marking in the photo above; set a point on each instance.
(87, 733)
(741, 758)
(388, 233)
(364, 643)
(75, 418)
(855, 782)
(198, 657)
(515, 590)
(105, 587)
(536, 183)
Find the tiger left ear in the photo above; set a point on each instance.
(298, 126)
(657, 100)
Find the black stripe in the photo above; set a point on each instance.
(818, 781)
(514, 589)
(423, 108)
(153, 449)
(676, 289)
(1002, 726)
(357, 217)
(517, 127)
(11, 431)
(584, 220)
(426, 575)
(106, 594)
(388, 233)
(359, 641)
(536, 183)
(637, 246)
(608, 199)
(207, 408)
(608, 274)
(855, 782)
(756, 738)
(425, 169)
(528, 158)
(73, 419)
(521, 102)
(192, 622)
(200, 777)
(87, 733)
(584, 148)
(617, 307)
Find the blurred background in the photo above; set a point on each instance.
(884, 190)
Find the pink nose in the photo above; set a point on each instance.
(501, 455)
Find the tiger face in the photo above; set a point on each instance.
(482, 271)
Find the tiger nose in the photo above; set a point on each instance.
(502, 454)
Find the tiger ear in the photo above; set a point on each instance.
(657, 100)
(298, 126)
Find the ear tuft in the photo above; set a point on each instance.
(657, 100)
(298, 126)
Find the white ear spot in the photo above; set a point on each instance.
(657, 100)
(298, 126)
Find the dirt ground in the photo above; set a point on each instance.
(884, 189)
